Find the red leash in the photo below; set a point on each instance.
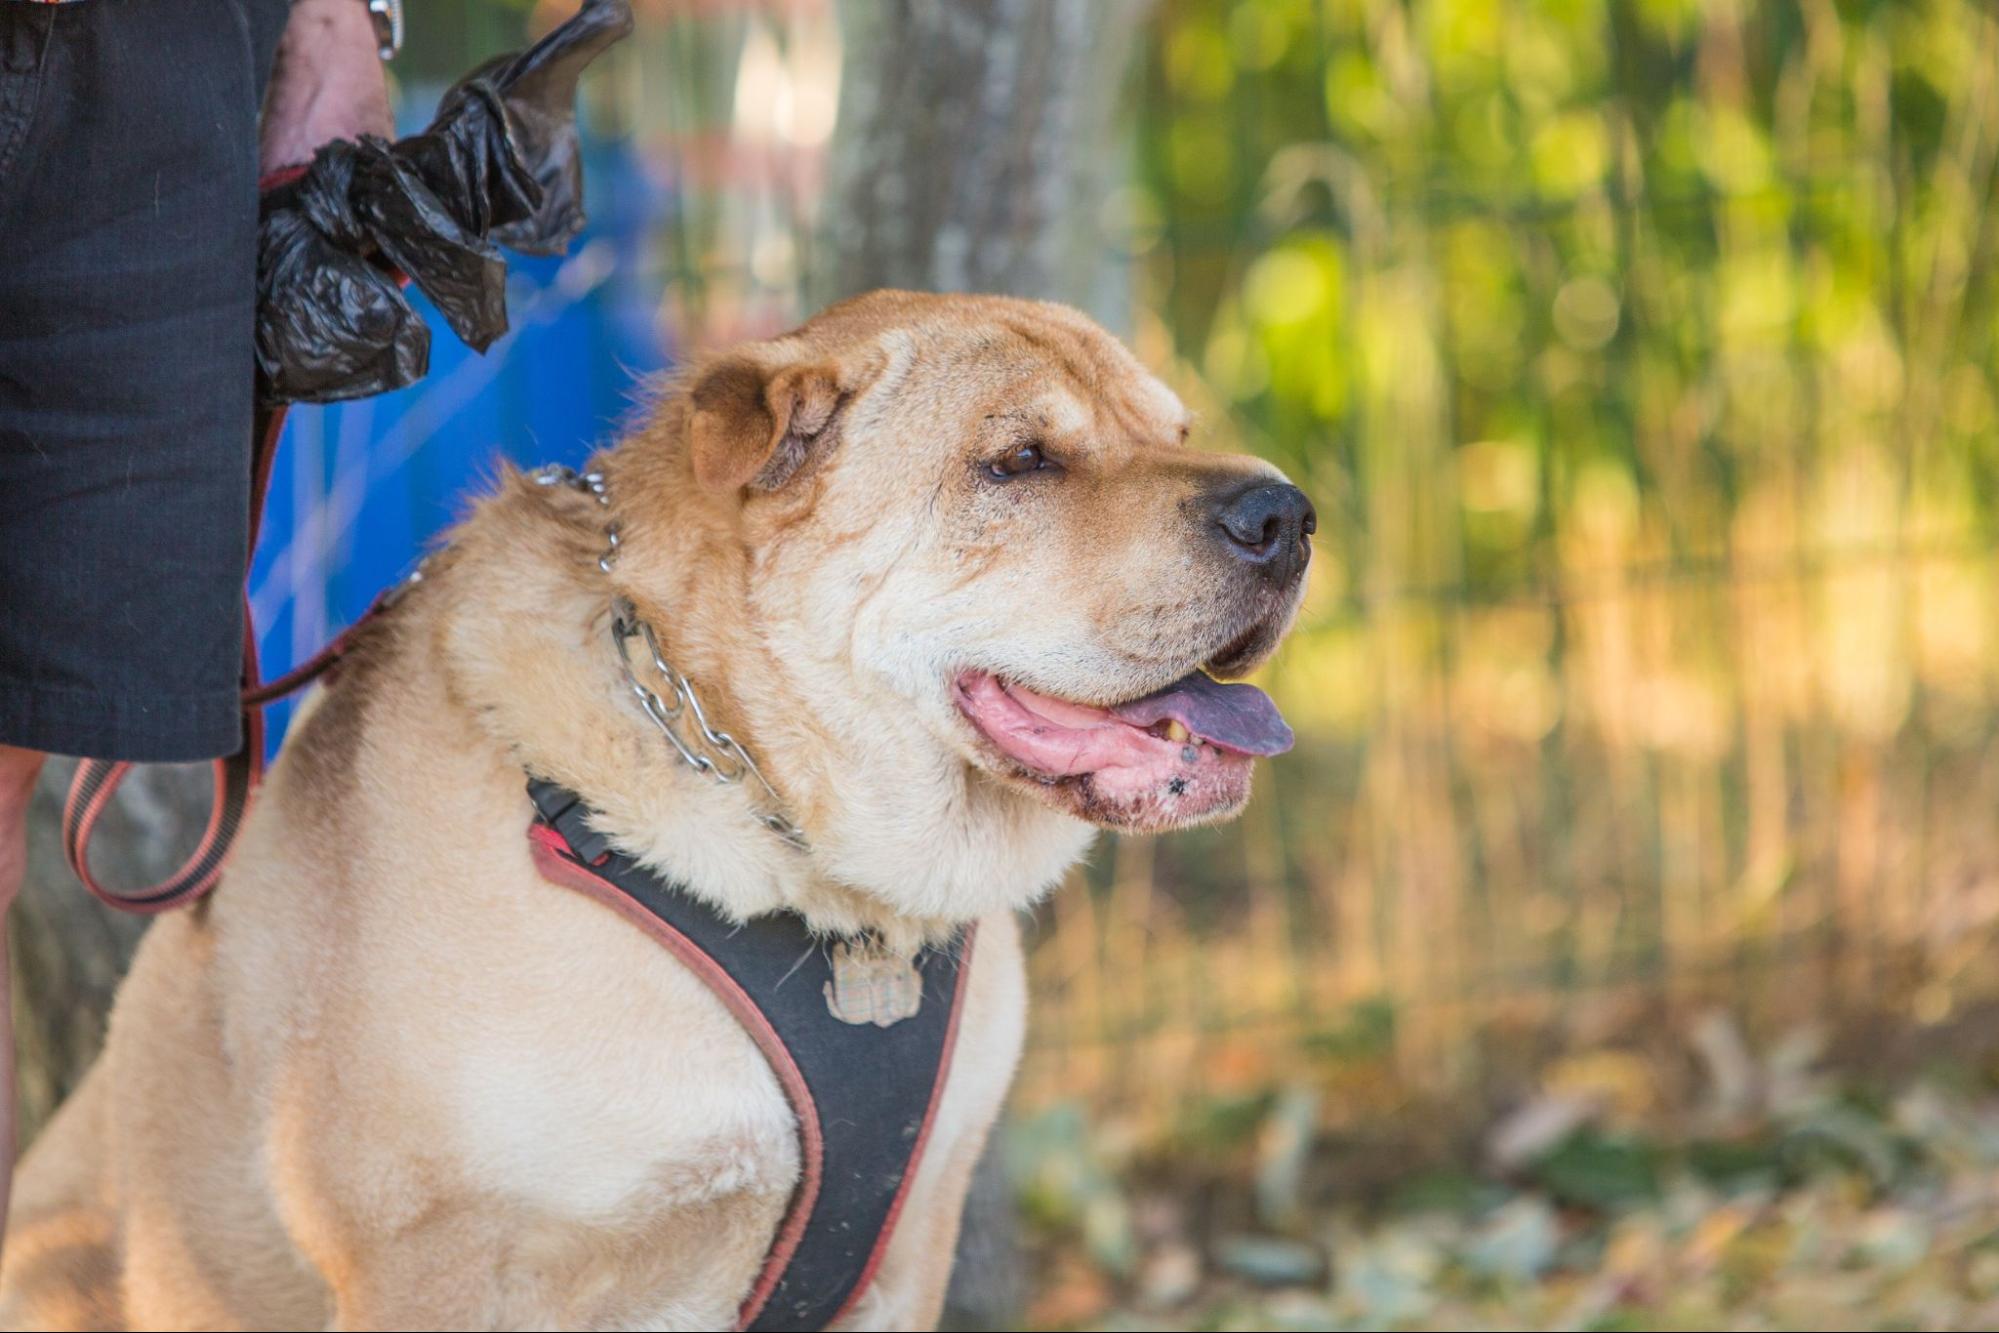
(236, 776)
(515, 118)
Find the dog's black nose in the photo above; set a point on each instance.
(1269, 524)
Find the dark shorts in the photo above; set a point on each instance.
(128, 208)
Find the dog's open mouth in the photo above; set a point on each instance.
(1177, 755)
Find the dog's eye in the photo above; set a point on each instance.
(1027, 458)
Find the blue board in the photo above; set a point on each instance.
(360, 489)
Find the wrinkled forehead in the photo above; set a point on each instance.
(979, 358)
(1070, 385)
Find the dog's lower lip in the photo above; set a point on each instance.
(1237, 651)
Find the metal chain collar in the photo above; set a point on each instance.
(702, 748)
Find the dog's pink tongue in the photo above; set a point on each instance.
(1235, 717)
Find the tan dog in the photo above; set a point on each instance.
(921, 555)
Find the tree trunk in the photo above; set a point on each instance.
(976, 142)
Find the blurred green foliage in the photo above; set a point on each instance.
(445, 38)
(1640, 357)
(1474, 266)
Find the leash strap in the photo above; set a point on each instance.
(864, 1096)
(235, 777)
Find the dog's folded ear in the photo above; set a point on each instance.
(751, 424)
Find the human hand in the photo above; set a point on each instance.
(328, 83)
(499, 165)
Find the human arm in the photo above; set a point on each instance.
(327, 83)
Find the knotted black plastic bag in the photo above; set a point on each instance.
(500, 164)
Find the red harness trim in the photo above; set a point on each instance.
(553, 858)
(550, 858)
(916, 1154)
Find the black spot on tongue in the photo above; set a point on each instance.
(1235, 717)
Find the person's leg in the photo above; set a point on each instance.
(18, 769)
(126, 370)
(128, 200)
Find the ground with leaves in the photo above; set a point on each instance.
(1786, 1199)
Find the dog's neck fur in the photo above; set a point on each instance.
(907, 840)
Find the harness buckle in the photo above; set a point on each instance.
(559, 808)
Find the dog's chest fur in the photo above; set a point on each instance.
(662, 1100)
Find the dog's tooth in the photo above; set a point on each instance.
(1177, 730)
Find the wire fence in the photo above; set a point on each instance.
(1641, 359)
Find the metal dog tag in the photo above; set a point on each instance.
(871, 985)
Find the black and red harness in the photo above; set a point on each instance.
(502, 148)
(864, 1095)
